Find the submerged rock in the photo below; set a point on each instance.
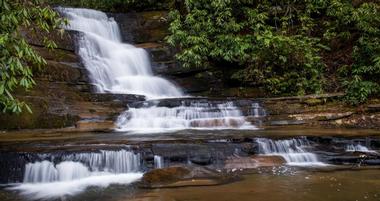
(182, 176)
(253, 162)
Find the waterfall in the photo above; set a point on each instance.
(158, 161)
(358, 148)
(195, 116)
(80, 165)
(75, 172)
(292, 150)
(257, 110)
(113, 66)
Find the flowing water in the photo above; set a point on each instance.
(194, 116)
(113, 66)
(294, 151)
(116, 67)
(73, 173)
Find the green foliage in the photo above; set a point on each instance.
(278, 44)
(114, 5)
(269, 42)
(362, 80)
(17, 58)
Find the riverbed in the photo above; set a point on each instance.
(323, 164)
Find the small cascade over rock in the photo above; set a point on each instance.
(81, 165)
(294, 151)
(113, 66)
(358, 148)
(188, 115)
(73, 173)
(158, 161)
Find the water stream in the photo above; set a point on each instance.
(113, 66)
(294, 151)
(73, 173)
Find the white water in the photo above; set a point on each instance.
(358, 148)
(292, 150)
(44, 179)
(196, 116)
(113, 66)
(50, 190)
(158, 161)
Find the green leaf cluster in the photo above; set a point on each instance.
(17, 58)
(279, 45)
(362, 24)
(114, 5)
(269, 43)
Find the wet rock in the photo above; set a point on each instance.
(250, 148)
(203, 81)
(354, 158)
(373, 108)
(210, 153)
(65, 41)
(95, 125)
(372, 162)
(253, 162)
(58, 71)
(334, 116)
(201, 159)
(313, 101)
(184, 176)
(164, 175)
(142, 27)
(235, 123)
(287, 122)
(124, 98)
(58, 55)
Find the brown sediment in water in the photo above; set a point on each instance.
(299, 186)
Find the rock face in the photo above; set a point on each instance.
(326, 110)
(148, 30)
(63, 94)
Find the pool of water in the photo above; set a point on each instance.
(271, 185)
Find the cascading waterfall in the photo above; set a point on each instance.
(195, 116)
(75, 172)
(113, 66)
(292, 150)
